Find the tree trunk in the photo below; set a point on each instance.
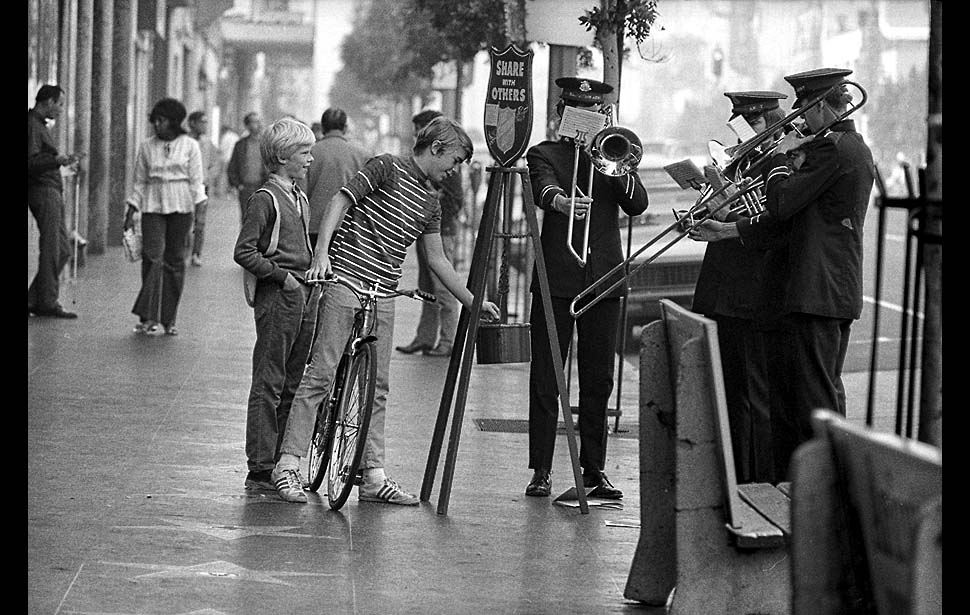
(515, 23)
(607, 37)
(931, 386)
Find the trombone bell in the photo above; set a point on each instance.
(615, 151)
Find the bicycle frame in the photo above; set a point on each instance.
(337, 449)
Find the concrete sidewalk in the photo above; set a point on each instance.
(136, 466)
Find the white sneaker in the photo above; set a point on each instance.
(289, 485)
(388, 492)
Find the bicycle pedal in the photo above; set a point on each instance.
(359, 478)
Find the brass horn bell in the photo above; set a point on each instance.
(615, 151)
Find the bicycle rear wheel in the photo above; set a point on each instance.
(319, 452)
(349, 421)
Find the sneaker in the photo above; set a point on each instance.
(260, 481)
(147, 327)
(389, 492)
(289, 485)
(196, 260)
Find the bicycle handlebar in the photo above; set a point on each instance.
(376, 291)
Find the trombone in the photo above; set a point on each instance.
(686, 224)
(613, 151)
(747, 188)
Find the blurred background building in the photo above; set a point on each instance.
(296, 57)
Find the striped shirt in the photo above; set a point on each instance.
(168, 176)
(392, 204)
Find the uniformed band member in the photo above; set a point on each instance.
(727, 291)
(551, 173)
(813, 282)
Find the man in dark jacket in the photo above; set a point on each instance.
(46, 203)
(727, 291)
(551, 173)
(813, 282)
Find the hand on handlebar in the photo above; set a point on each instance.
(319, 269)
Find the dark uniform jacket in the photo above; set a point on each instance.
(551, 173)
(730, 280)
(823, 205)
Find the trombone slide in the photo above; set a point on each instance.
(686, 223)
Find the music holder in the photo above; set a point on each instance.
(462, 356)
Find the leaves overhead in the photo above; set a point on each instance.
(632, 18)
(468, 26)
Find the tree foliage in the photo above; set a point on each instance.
(621, 18)
(387, 60)
(468, 26)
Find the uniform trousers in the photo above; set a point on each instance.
(335, 318)
(807, 354)
(284, 330)
(743, 366)
(47, 205)
(595, 355)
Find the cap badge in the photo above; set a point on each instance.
(584, 86)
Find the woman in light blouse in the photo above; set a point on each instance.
(168, 185)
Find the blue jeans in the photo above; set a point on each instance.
(334, 321)
(284, 330)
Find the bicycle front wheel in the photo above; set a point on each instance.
(319, 452)
(349, 420)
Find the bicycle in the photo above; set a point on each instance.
(340, 429)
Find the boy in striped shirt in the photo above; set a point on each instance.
(364, 235)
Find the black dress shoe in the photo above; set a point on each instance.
(603, 487)
(413, 347)
(438, 351)
(54, 312)
(540, 485)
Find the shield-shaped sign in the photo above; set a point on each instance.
(508, 104)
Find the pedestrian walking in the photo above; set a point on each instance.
(167, 188)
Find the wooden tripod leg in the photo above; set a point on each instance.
(464, 342)
(498, 182)
(528, 205)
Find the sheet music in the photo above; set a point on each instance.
(576, 121)
(686, 174)
(742, 128)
